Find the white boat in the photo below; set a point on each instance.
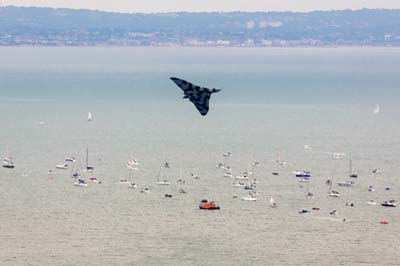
(250, 197)
(132, 164)
(145, 190)
(133, 185)
(239, 184)
(389, 203)
(70, 159)
(302, 173)
(304, 180)
(62, 166)
(346, 184)
(93, 179)
(272, 202)
(227, 175)
(334, 194)
(89, 117)
(162, 175)
(80, 183)
(371, 189)
(377, 109)
(8, 163)
(279, 160)
(372, 202)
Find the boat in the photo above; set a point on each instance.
(80, 183)
(208, 205)
(275, 173)
(133, 185)
(250, 197)
(304, 211)
(89, 117)
(334, 194)
(304, 179)
(272, 202)
(182, 191)
(389, 203)
(62, 166)
(337, 155)
(239, 184)
(162, 175)
(132, 164)
(89, 169)
(70, 159)
(93, 179)
(250, 187)
(334, 212)
(124, 180)
(310, 195)
(351, 173)
(377, 109)
(8, 163)
(371, 189)
(168, 195)
(371, 202)
(279, 160)
(346, 184)
(145, 190)
(302, 174)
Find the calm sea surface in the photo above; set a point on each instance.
(272, 100)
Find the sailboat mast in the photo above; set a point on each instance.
(87, 158)
(350, 166)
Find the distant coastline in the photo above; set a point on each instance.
(21, 26)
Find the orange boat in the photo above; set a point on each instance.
(208, 205)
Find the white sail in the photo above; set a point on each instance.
(89, 118)
(272, 202)
(377, 109)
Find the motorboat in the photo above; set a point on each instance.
(182, 191)
(389, 203)
(70, 159)
(304, 211)
(334, 212)
(334, 194)
(8, 163)
(272, 202)
(250, 187)
(133, 185)
(371, 202)
(302, 174)
(62, 166)
(304, 179)
(168, 195)
(250, 197)
(124, 180)
(371, 189)
(208, 205)
(163, 183)
(346, 184)
(80, 183)
(310, 195)
(239, 184)
(93, 179)
(145, 190)
(275, 173)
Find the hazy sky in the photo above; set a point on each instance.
(207, 5)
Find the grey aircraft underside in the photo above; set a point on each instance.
(199, 96)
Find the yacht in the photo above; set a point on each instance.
(80, 183)
(346, 184)
(389, 203)
(8, 163)
(62, 166)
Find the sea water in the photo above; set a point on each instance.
(272, 100)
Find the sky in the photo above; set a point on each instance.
(149, 6)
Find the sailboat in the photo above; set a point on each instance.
(279, 160)
(333, 193)
(162, 180)
(351, 174)
(377, 109)
(89, 118)
(89, 169)
(272, 202)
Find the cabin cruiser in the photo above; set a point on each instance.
(208, 205)
(304, 211)
(145, 190)
(250, 197)
(334, 194)
(8, 163)
(346, 184)
(62, 166)
(302, 174)
(133, 185)
(389, 203)
(80, 183)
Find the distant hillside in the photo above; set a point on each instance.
(46, 26)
